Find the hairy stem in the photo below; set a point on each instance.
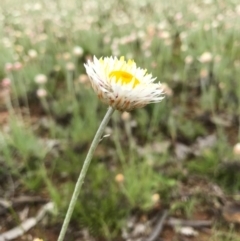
(83, 172)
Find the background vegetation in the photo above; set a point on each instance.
(173, 155)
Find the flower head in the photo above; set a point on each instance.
(78, 51)
(206, 57)
(17, 66)
(41, 93)
(6, 83)
(119, 178)
(8, 67)
(121, 84)
(236, 149)
(40, 79)
(32, 53)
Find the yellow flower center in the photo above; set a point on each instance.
(124, 77)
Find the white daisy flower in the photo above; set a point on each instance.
(40, 79)
(121, 84)
(206, 57)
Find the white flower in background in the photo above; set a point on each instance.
(83, 79)
(40, 79)
(238, 9)
(17, 66)
(236, 149)
(206, 57)
(121, 84)
(188, 60)
(8, 67)
(204, 73)
(66, 56)
(37, 7)
(164, 35)
(6, 82)
(41, 93)
(78, 51)
(70, 66)
(32, 53)
(126, 116)
(155, 198)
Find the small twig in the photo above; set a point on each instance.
(27, 224)
(158, 228)
(189, 223)
(5, 205)
(28, 199)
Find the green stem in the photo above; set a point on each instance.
(117, 143)
(83, 172)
